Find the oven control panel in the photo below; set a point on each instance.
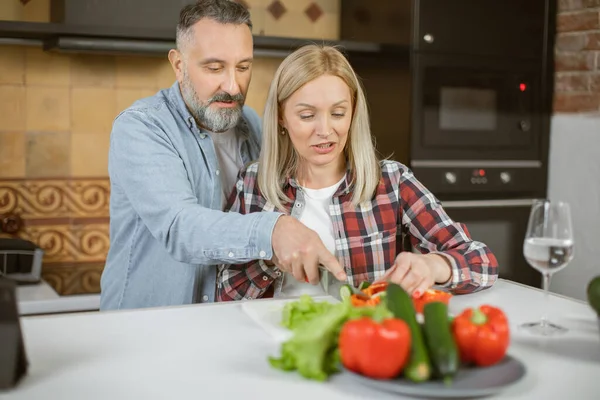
(465, 180)
(479, 177)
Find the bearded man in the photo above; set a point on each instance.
(173, 161)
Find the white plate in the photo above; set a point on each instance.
(267, 314)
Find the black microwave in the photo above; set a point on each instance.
(471, 108)
(479, 125)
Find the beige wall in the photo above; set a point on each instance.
(57, 110)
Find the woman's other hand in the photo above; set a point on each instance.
(416, 273)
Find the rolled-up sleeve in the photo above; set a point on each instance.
(474, 266)
(147, 168)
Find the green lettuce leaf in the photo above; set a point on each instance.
(313, 349)
(296, 313)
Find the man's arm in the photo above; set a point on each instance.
(144, 163)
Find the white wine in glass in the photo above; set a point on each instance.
(548, 248)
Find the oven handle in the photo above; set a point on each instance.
(488, 203)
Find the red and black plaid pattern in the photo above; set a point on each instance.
(366, 236)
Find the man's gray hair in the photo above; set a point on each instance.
(222, 11)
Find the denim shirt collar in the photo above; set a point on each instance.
(176, 98)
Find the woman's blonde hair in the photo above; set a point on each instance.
(278, 158)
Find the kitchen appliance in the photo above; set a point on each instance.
(501, 225)
(482, 83)
(13, 360)
(21, 260)
(481, 99)
(469, 107)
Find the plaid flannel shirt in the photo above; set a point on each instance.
(366, 236)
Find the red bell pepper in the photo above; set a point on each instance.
(419, 302)
(430, 296)
(482, 335)
(375, 288)
(369, 298)
(376, 350)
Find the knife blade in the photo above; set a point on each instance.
(331, 285)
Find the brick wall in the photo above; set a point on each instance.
(577, 88)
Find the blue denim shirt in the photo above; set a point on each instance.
(167, 230)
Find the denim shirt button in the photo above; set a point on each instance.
(217, 172)
(205, 298)
(230, 255)
(262, 253)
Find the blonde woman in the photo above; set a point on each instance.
(318, 164)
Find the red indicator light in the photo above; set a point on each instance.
(481, 172)
(522, 87)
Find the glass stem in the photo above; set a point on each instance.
(546, 284)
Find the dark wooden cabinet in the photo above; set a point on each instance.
(379, 21)
(510, 28)
(387, 87)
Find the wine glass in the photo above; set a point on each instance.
(548, 247)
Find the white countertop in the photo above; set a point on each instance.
(217, 351)
(42, 299)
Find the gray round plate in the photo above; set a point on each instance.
(468, 382)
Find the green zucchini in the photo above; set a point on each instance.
(345, 293)
(401, 306)
(442, 347)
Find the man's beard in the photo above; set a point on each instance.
(215, 120)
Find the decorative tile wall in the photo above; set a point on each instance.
(25, 10)
(68, 218)
(295, 18)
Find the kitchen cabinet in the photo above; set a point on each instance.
(513, 28)
(383, 21)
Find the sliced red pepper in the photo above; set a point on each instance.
(376, 350)
(375, 288)
(482, 335)
(358, 301)
(370, 292)
(419, 302)
(430, 296)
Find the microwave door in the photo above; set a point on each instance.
(471, 110)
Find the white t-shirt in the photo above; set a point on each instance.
(315, 215)
(227, 148)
